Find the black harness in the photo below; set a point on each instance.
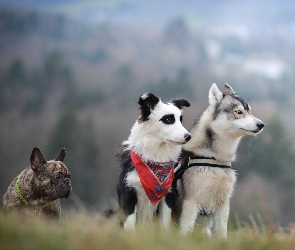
(197, 161)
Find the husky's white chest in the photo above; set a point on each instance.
(209, 187)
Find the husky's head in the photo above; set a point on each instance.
(159, 127)
(232, 114)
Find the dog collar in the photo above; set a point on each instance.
(22, 198)
(155, 177)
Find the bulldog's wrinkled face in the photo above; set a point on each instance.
(51, 178)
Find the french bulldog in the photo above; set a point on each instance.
(37, 189)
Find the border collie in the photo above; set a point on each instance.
(148, 158)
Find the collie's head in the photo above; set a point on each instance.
(158, 133)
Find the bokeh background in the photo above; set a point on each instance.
(71, 73)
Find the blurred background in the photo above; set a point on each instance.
(71, 73)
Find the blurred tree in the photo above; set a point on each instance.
(18, 22)
(177, 33)
(271, 154)
(55, 68)
(17, 72)
(172, 88)
(99, 55)
(82, 153)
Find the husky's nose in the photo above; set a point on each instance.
(187, 137)
(260, 125)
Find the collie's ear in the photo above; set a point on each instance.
(180, 103)
(61, 156)
(215, 95)
(147, 102)
(37, 159)
(228, 90)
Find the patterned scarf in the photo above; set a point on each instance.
(155, 177)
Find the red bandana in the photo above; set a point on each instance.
(155, 177)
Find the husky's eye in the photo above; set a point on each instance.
(168, 119)
(181, 119)
(239, 112)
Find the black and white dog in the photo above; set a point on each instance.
(148, 158)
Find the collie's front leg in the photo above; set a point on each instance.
(164, 214)
(188, 216)
(130, 221)
(128, 203)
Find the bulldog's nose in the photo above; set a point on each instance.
(67, 182)
(260, 125)
(187, 137)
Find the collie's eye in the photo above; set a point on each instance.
(239, 112)
(57, 176)
(168, 119)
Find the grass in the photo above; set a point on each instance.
(89, 231)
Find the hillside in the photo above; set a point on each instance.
(67, 83)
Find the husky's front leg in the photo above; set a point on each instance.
(220, 221)
(189, 213)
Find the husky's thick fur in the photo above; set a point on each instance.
(207, 184)
(156, 136)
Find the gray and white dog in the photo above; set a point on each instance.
(205, 178)
(37, 189)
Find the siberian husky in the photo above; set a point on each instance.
(148, 158)
(205, 177)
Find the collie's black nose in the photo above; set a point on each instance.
(187, 137)
(260, 125)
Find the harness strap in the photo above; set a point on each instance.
(197, 161)
(208, 162)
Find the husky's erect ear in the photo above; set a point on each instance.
(228, 90)
(61, 156)
(180, 103)
(37, 159)
(147, 102)
(215, 95)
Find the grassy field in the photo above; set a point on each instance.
(89, 231)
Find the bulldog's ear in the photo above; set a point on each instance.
(37, 159)
(228, 90)
(147, 102)
(61, 156)
(180, 103)
(215, 95)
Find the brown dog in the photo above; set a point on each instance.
(37, 189)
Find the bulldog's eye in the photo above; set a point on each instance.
(168, 119)
(239, 112)
(57, 176)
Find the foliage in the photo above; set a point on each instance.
(178, 87)
(91, 231)
(77, 137)
(271, 156)
(66, 84)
